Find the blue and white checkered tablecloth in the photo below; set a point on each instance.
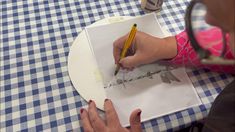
(36, 91)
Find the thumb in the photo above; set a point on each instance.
(130, 61)
(135, 121)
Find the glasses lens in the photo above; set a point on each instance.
(207, 37)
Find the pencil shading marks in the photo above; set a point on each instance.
(119, 81)
(164, 73)
(167, 76)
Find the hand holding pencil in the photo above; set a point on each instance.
(145, 49)
(127, 45)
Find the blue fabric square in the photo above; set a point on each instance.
(58, 14)
(68, 12)
(47, 78)
(48, 15)
(17, 46)
(61, 85)
(3, 10)
(39, 128)
(30, 52)
(32, 71)
(74, 34)
(5, 31)
(53, 124)
(51, 30)
(18, 55)
(65, 107)
(57, 65)
(45, 68)
(52, 38)
(190, 111)
(9, 123)
(27, 19)
(43, 50)
(15, 21)
(35, 91)
(6, 48)
(5, 39)
(32, 61)
(49, 88)
(21, 84)
(63, 36)
(202, 107)
(208, 93)
(201, 82)
(40, 33)
(63, 96)
(27, 27)
(154, 122)
(41, 40)
(33, 81)
(49, 23)
(36, 103)
(78, 104)
(15, 15)
(67, 120)
(30, 43)
(7, 87)
(26, 12)
(23, 119)
(25, 5)
(179, 115)
(17, 37)
(22, 106)
(50, 99)
(59, 75)
(60, 21)
(22, 95)
(6, 67)
(6, 77)
(166, 118)
(56, 56)
(8, 110)
(83, 24)
(51, 111)
(8, 98)
(54, 47)
(218, 90)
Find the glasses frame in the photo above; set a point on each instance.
(205, 56)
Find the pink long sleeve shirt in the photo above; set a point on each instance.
(188, 57)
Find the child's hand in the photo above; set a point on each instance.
(144, 49)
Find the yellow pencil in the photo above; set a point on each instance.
(127, 44)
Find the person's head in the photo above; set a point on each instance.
(221, 13)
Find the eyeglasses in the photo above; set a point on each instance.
(208, 41)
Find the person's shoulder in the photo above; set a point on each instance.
(222, 113)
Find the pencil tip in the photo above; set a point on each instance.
(135, 24)
(115, 73)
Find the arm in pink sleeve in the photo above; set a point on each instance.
(188, 57)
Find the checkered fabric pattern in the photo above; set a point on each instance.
(36, 93)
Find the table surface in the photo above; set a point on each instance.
(36, 91)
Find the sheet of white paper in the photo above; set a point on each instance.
(102, 38)
(156, 90)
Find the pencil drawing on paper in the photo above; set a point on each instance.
(163, 71)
